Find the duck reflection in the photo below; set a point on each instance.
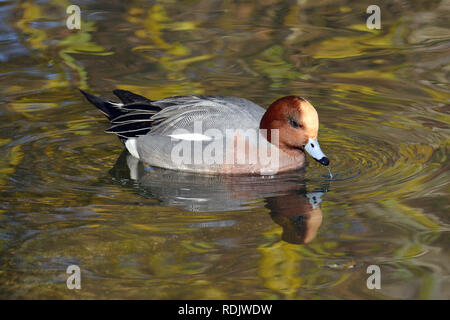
(291, 205)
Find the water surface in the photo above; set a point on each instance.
(70, 195)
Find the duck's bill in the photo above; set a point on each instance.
(313, 148)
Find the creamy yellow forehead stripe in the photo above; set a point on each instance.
(310, 119)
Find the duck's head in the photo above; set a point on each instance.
(298, 125)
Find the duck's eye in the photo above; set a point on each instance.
(294, 124)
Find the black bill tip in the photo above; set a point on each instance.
(324, 161)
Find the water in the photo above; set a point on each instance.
(69, 195)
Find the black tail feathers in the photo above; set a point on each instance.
(113, 110)
(130, 97)
(110, 109)
(131, 118)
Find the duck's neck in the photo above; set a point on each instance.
(270, 121)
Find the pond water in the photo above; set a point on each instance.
(69, 194)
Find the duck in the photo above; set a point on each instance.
(213, 134)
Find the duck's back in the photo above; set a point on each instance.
(212, 112)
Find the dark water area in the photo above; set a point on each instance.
(69, 194)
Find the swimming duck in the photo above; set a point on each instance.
(214, 134)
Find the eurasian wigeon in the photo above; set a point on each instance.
(214, 134)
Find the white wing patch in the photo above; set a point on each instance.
(191, 137)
